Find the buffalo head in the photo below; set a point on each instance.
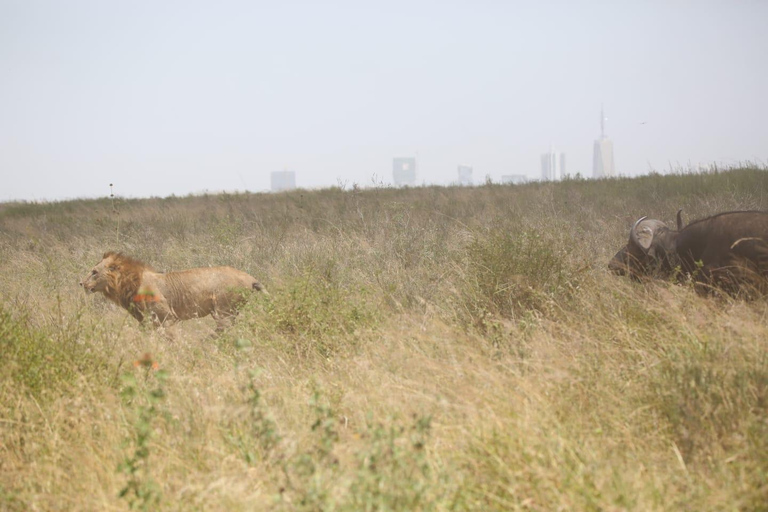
(648, 251)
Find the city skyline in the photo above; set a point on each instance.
(168, 98)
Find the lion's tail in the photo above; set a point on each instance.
(259, 287)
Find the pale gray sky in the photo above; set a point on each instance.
(172, 97)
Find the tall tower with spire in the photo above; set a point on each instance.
(602, 159)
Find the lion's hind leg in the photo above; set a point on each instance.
(224, 320)
(225, 311)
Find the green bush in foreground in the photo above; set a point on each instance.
(44, 360)
(143, 398)
(314, 313)
(505, 274)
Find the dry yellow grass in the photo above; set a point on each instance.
(420, 349)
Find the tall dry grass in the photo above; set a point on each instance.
(420, 349)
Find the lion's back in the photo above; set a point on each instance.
(200, 291)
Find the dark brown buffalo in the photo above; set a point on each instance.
(727, 250)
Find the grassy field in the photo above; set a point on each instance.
(419, 349)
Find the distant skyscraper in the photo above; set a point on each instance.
(283, 180)
(602, 160)
(404, 171)
(465, 175)
(552, 165)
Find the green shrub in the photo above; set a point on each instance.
(312, 473)
(143, 399)
(253, 431)
(393, 472)
(316, 311)
(507, 274)
(42, 360)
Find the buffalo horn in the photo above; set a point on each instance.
(680, 219)
(633, 234)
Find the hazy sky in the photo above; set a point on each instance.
(171, 97)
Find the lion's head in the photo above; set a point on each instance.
(117, 276)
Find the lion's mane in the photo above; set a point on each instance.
(124, 280)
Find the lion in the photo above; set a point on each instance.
(167, 298)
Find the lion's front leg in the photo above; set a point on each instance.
(161, 314)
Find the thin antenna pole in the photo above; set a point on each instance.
(602, 122)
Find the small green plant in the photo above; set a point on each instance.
(393, 472)
(261, 435)
(324, 426)
(262, 426)
(311, 473)
(143, 399)
(10, 502)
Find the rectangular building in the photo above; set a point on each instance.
(283, 180)
(552, 166)
(602, 161)
(465, 175)
(404, 171)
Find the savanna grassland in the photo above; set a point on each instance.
(419, 349)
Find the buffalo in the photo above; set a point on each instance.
(728, 251)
